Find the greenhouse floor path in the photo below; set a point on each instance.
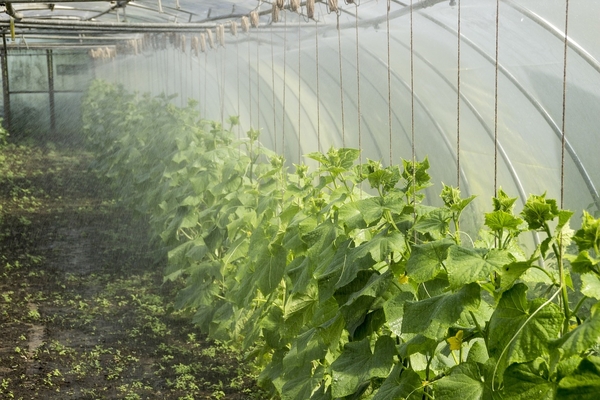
(83, 310)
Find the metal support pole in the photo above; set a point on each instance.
(51, 91)
(5, 86)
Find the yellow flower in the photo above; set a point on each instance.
(455, 341)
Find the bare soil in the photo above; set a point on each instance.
(84, 313)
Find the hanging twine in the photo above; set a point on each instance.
(245, 24)
(254, 19)
(310, 9)
(183, 43)
(280, 4)
(203, 42)
(295, 5)
(333, 6)
(211, 40)
(233, 28)
(275, 13)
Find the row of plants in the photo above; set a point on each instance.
(343, 293)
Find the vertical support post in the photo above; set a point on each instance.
(5, 86)
(51, 90)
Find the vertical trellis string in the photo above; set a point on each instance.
(299, 86)
(223, 50)
(284, 83)
(458, 99)
(318, 89)
(205, 82)
(496, 99)
(412, 113)
(389, 78)
(257, 79)
(273, 90)
(341, 80)
(358, 110)
(181, 66)
(237, 68)
(564, 108)
(249, 80)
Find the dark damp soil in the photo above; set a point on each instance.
(83, 310)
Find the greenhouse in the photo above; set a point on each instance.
(300, 199)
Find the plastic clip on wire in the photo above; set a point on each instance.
(333, 6)
(203, 42)
(295, 5)
(211, 40)
(254, 19)
(245, 24)
(221, 35)
(195, 43)
(310, 9)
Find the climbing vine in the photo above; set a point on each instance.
(344, 293)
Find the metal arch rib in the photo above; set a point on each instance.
(537, 105)
(573, 45)
(481, 120)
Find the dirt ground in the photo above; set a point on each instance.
(83, 310)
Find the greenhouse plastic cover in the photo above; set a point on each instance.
(284, 79)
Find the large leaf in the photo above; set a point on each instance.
(357, 364)
(402, 383)
(520, 331)
(348, 261)
(425, 261)
(582, 338)
(361, 213)
(590, 285)
(471, 265)
(509, 273)
(499, 219)
(270, 268)
(465, 381)
(432, 317)
(394, 311)
(417, 344)
(525, 382)
(436, 222)
(583, 384)
(302, 382)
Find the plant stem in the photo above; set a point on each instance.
(561, 274)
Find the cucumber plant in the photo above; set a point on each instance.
(342, 293)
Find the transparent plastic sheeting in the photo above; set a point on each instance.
(248, 77)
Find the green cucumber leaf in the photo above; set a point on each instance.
(582, 338)
(433, 316)
(402, 383)
(583, 384)
(525, 381)
(590, 285)
(425, 261)
(358, 364)
(472, 265)
(520, 331)
(465, 381)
